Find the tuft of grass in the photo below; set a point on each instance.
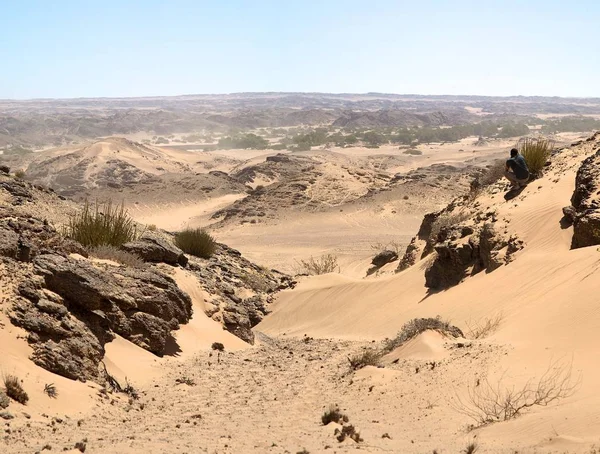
(20, 174)
(102, 225)
(471, 448)
(14, 389)
(197, 242)
(107, 252)
(151, 227)
(536, 152)
(367, 358)
(334, 414)
(50, 390)
(327, 263)
(416, 326)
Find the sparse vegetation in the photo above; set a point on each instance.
(536, 152)
(14, 389)
(334, 414)
(488, 402)
(484, 328)
(244, 142)
(416, 326)
(197, 242)
(20, 173)
(395, 246)
(219, 348)
(369, 357)
(471, 448)
(50, 390)
(106, 252)
(151, 227)
(324, 264)
(102, 225)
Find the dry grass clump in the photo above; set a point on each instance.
(484, 328)
(102, 225)
(14, 389)
(327, 263)
(20, 174)
(107, 252)
(487, 403)
(471, 448)
(50, 390)
(367, 358)
(416, 326)
(334, 414)
(536, 152)
(447, 220)
(197, 242)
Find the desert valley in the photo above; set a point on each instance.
(299, 273)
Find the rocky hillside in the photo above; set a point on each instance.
(72, 304)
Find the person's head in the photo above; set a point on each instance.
(514, 152)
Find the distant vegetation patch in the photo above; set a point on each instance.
(571, 124)
(102, 225)
(197, 242)
(244, 142)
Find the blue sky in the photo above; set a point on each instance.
(138, 48)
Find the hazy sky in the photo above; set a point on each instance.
(133, 48)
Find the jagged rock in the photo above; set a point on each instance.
(569, 213)
(4, 400)
(420, 246)
(9, 242)
(586, 203)
(383, 258)
(151, 247)
(72, 308)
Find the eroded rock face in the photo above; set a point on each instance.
(71, 309)
(152, 247)
(586, 203)
(462, 251)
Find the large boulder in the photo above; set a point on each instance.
(383, 258)
(586, 203)
(151, 247)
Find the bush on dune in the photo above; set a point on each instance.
(197, 242)
(416, 326)
(106, 224)
(321, 265)
(536, 153)
(14, 389)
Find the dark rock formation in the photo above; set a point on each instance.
(586, 203)
(383, 258)
(151, 247)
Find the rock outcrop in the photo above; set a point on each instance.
(585, 210)
(151, 247)
(383, 258)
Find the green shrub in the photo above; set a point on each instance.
(536, 153)
(107, 252)
(102, 225)
(196, 242)
(14, 389)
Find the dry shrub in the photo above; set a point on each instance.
(327, 263)
(20, 174)
(348, 432)
(416, 326)
(367, 358)
(488, 402)
(14, 389)
(102, 225)
(395, 246)
(334, 415)
(446, 220)
(50, 390)
(471, 448)
(151, 227)
(106, 252)
(484, 328)
(197, 242)
(536, 152)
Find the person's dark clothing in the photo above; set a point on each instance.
(519, 167)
